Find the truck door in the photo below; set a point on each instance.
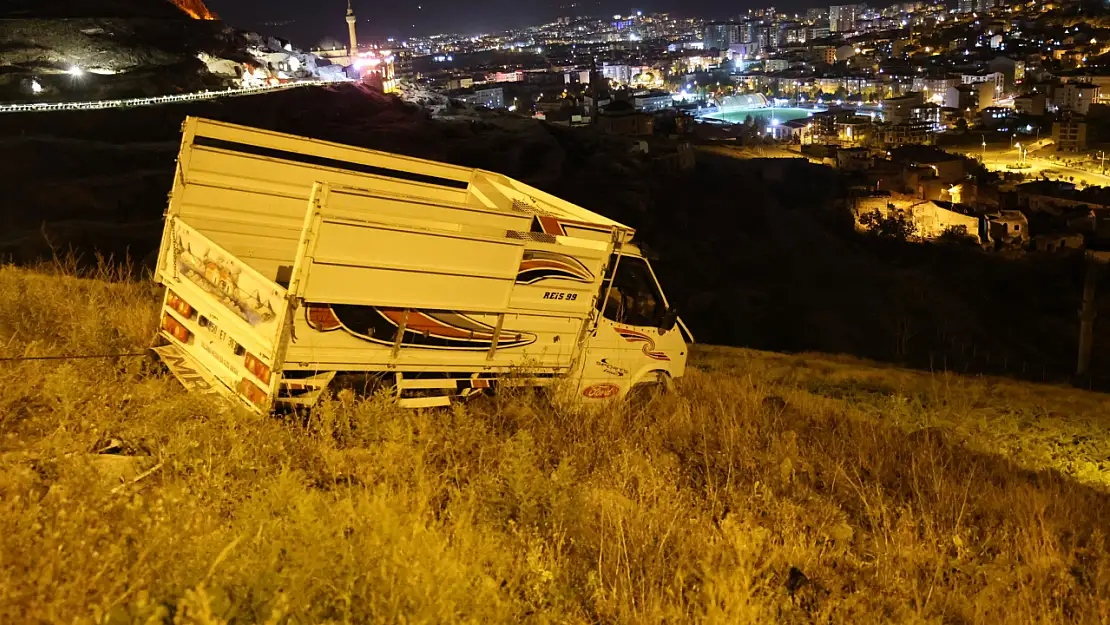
(629, 344)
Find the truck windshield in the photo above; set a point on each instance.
(635, 298)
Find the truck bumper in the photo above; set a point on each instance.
(190, 373)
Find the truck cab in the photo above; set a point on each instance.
(637, 338)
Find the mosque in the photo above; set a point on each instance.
(370, 63)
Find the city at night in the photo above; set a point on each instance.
(561, 312)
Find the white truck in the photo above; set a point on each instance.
(291, 263)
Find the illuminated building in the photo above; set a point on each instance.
(650, 101)
(971, 98)
(720, 35)
(377, 66)
(621, 74)
(1076, 97)
(929, 114)
(906, 133)
(492, 97)
(1070, 133)
(842, 18)
(1030, 103)
(900, 110)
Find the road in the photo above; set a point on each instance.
(43, 107)
(999, 159)
(995, 159)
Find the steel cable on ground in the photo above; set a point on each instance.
(81, 357)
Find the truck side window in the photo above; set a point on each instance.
(634, 299)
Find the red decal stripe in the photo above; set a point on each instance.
(323, 318)
(550, 225)
(421, 323)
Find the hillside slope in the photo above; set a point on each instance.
(768, 488)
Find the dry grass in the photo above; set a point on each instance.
(767, 489)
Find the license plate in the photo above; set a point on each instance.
(222, 336)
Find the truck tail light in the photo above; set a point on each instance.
(258, 368)
(180, 305)
(175, 328)
(253, 394)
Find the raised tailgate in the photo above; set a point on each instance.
(222, 314)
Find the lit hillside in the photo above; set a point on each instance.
(769, 488)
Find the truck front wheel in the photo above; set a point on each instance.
(655, 383)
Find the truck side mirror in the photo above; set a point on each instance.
(670, 318)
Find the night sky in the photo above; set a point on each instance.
(312, 20)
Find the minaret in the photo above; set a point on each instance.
(351, 21)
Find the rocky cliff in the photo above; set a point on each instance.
(195, 9)
(77, 50)
(63, 9)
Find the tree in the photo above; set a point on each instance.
(957, 235)
(896, 225)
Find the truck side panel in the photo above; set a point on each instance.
(389, 204)
(363, 258)
(363, 338)
(254, 206)
(384, 297)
